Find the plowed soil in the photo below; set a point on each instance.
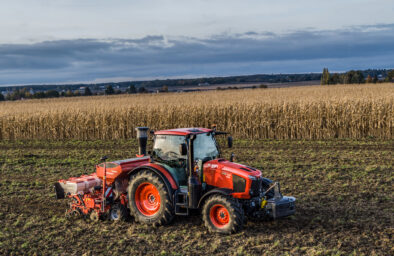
(344, 191)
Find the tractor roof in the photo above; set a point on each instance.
(183, 131)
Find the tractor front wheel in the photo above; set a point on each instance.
(149, 200)
(223, 214)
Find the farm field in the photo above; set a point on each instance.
(343, 189)
(305, 112)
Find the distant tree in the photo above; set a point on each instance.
(69, 93)
(15, 95)
(375, 79)
(353, 77)
(1, 97)
(109, 90)
(360, 76)
(369, 79)
(263, 86)
(132, 89)
(39, 95)
(52, 94)
(142, 90)
(325, 78)
(345, 78)
(390, 75)
(356, 77)
(88, 92)
(28, 95)
(164, 88)
(335, 79)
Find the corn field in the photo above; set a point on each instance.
(313, 112)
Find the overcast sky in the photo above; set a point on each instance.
(53, 41)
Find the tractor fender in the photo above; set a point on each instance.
(165, 175)
(221, 191)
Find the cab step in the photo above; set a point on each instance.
(181, 201)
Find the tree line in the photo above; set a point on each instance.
(24, 93)
(354, 77)
(53, 91)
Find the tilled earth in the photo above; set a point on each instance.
(344, 191)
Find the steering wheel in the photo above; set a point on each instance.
(171, 154)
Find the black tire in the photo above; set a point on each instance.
(223, 205)
(164, 213)
(118, 212)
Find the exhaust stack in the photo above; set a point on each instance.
(142, 136)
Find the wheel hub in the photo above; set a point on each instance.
(152, 198)
(219, 215)
(147, 199)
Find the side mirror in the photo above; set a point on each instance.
(230, 141)
(183, 149)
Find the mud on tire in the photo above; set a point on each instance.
(223, 214)
(149, 200)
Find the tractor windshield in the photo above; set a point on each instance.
(205, 146)
(166, 147)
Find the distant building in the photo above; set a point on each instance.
(31, 91)
(203, 84)
(82, 89)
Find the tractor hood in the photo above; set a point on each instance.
(230, 168)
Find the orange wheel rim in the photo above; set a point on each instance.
(219, 216)
(147, 199)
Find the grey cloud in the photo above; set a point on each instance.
(158, 56)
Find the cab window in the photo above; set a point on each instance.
(166, 147)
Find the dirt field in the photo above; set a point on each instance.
(344, 191)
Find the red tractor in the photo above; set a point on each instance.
(184, 172)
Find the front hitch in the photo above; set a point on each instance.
(278, 206)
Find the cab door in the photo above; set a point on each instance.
(166, 152)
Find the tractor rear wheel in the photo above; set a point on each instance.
(118, 212)
(149, 200)
(223, 214)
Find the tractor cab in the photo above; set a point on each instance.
(171, 148)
